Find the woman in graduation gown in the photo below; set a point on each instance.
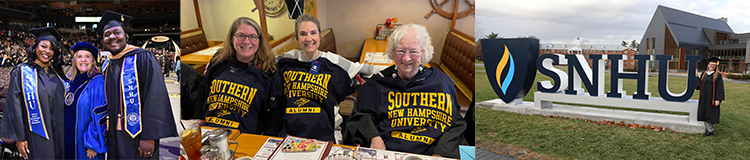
(85, 107)
(236, 91)
(34, 111)
(711, 86)
(408, 107)
(311, 83)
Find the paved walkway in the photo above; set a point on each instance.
(169, 148)
(485, 154)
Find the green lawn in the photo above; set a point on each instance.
(479, 68)
(557, 138)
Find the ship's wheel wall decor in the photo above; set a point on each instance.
(454, 15)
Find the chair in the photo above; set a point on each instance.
(4, 142)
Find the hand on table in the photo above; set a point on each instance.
(146, 147)
(377, 143)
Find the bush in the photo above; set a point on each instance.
(739, 77)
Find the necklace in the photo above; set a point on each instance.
(69, 97)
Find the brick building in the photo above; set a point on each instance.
(578, 47)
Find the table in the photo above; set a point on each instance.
(372, 45)
(251, 143)
(199, 59)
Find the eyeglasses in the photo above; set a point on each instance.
(242, 37)
(412, 53)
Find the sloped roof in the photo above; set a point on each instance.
(688, 27)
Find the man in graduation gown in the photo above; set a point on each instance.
(139, 109)
(711, 86)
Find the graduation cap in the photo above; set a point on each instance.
(112, 19)
(714, 59)
(86, 46)
(46, 33)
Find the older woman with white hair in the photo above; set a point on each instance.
(408, 107)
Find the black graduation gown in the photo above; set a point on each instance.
(710, 90)
(418, 116)
(190, 82)
(15, 124)
(156, 111)
(236, 95)
(307, 100)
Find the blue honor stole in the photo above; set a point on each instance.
(130, 96)
(105, 64)
(30, 96)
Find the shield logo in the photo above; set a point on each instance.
(510, 65)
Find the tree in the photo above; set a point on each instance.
(478, 51)
(624, 44)
(633, 44)
(492, 35)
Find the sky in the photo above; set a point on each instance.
(594, 21)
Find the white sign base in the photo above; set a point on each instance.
(678, 123)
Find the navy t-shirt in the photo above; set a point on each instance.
(237, 93)
(308, 98)
(411, 116)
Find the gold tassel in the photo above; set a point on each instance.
(119, 122)
(107, 123)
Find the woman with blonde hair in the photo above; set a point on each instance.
(85, 106)
(711, 86)
(236, 91)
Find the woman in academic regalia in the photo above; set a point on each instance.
(34, 111)
(85, 106)
(711, 86)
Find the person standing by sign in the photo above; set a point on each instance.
(85, 106)
(408, 107)
(711, 86)
(35, 110)
(139, 109)
(236, 92)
